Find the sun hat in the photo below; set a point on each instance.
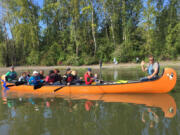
(35, 72)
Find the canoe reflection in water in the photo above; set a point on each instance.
(163, 101)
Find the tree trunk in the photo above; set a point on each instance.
(77, 46)
(112, 27)
(107, 35)
(93, 29)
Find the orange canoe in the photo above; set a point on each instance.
(162, 85)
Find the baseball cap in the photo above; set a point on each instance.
(89, 69)
(68, 69)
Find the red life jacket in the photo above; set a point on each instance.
(87, 78)
(70, 78)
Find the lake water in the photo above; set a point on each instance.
(121, 114)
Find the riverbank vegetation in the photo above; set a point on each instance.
(77, 32)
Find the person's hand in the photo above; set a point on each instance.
(81, 78)
(142, 63)
(149, 77)
(68, 84)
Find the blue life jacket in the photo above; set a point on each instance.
(34, 80)
(151, 70)
(11, 76)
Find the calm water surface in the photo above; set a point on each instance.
(96, 114)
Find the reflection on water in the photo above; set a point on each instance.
(90, 114)
(115, 74)
(108, 114)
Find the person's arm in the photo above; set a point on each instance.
(20, 79)
(47, 79)
(7, 74)
(30, 81)
(143, 66)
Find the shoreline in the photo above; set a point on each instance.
(120, 65)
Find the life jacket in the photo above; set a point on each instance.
(67, 78)
(151, 70)
(57, 78)
(11, 75)
(34, 80)
(41, 76)
(88, 78)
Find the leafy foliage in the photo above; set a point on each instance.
(77, 32)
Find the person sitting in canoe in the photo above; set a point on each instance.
(23, 77)
(57, 77)
(50, 79)
(76, 79)
(68, 78)
(152, 69)
(11, 75)
(35, 79)
(41, 74)
(28, 75)
(88, 77)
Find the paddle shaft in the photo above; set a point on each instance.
(59, 88)
(100, 67)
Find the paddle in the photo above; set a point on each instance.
(59, 88)
(16, 84)
(100, 67)
(38, 86)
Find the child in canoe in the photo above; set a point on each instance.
(35, 79)
(68, 77)
(88, 77)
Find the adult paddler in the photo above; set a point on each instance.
(152, 69)
(11, 75)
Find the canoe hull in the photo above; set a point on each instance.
(163, 85)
